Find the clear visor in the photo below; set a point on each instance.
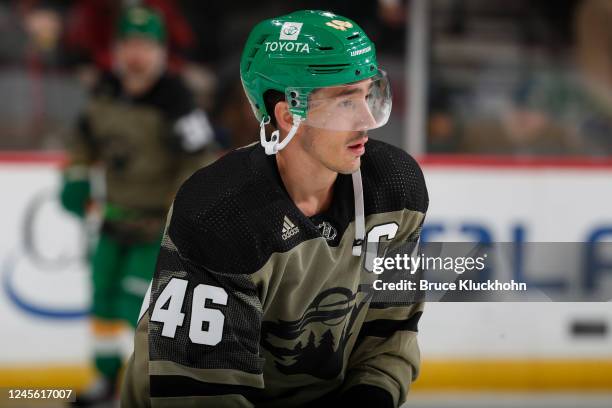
(356, 106)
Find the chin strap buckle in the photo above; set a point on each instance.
(273, 145)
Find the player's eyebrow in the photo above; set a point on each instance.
(348, 91)
(354, 90)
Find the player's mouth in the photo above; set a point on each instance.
(358, 147)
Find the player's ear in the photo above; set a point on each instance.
(284, 120)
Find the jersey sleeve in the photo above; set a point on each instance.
(191, 130)
(197, 341)
(386, 355)
(81, 153)
(191, 135)
(81, 148)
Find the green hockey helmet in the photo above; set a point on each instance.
(326, 67)
(143, 22)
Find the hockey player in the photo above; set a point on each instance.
(142, 127)
(259, 296)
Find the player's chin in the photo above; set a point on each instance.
(350, 165)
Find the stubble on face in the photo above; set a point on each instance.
(331, 148)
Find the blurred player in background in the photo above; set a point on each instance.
(259, 296)
(143, 129)
(90, 31)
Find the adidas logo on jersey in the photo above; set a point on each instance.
(289, 229)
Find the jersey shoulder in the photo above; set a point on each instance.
(172, 96)
(392, 178)
(219, 216)
(215, 183)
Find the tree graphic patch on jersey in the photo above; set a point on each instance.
(314, 344)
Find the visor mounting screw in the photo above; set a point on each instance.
(357, 72)
(371, 67)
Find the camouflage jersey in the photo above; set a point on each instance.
(255, 304)
(146, 146)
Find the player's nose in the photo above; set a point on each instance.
(364, 117)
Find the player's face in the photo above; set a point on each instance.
(348, 108)
(140, 57)
(339, 151)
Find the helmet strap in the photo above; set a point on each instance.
(359, 213)
(273, 146)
